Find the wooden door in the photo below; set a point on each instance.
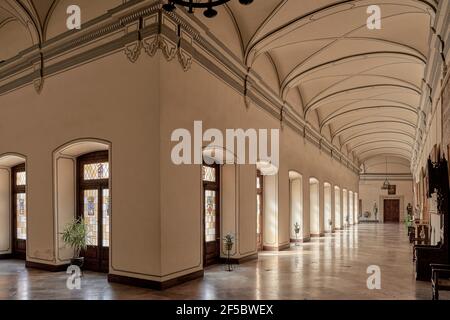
(19, 211)
(93, 184)
(211, 215)
(392, 210)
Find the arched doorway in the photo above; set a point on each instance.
(328, 221)
(93, 207)
(83, 175)
(296, 206)
(314, 207)
(13, 206)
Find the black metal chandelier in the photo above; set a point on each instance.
(208, 5)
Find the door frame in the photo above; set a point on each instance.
(212, 186)
(99, 185)
(381, 207)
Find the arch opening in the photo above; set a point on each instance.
(296, 206)
(337, 208)
(314, 207)
(328, 220)
(82, 189)
(351, 213)
(345, 208)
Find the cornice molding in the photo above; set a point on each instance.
(149, 29)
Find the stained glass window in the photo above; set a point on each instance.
(21, 178)
(96, 171)
(21, 222)
(210, 215)
(90, 214)
(209, 174)
(105, 218)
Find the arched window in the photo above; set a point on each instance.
(93, 207)
(211, 214)
(19, 211)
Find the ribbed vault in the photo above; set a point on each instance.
(360, 88)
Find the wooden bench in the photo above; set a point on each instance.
(440, 278)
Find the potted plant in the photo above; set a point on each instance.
(75, 236)
(229, 242)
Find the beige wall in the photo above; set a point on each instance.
(109, 99)
(156, 206)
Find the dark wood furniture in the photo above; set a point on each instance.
(435, 254)
(440, 279)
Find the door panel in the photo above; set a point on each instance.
(212, 233)
(392, 210)
(90, 216)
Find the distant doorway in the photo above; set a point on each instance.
(391, 210)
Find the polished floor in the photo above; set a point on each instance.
(332, 267)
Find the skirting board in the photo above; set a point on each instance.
(46, 267)
(240, 260)
(279, 248)
(301, 240)
(151, 284)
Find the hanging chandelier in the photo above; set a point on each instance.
(386, 183)
(208, 5)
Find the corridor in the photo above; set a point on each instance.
(330, 267)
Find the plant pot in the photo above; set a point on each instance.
(228, 246)
(79, 262)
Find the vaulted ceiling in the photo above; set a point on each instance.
(361, 88)
(32, 15)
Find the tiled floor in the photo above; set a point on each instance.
(332, 267)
